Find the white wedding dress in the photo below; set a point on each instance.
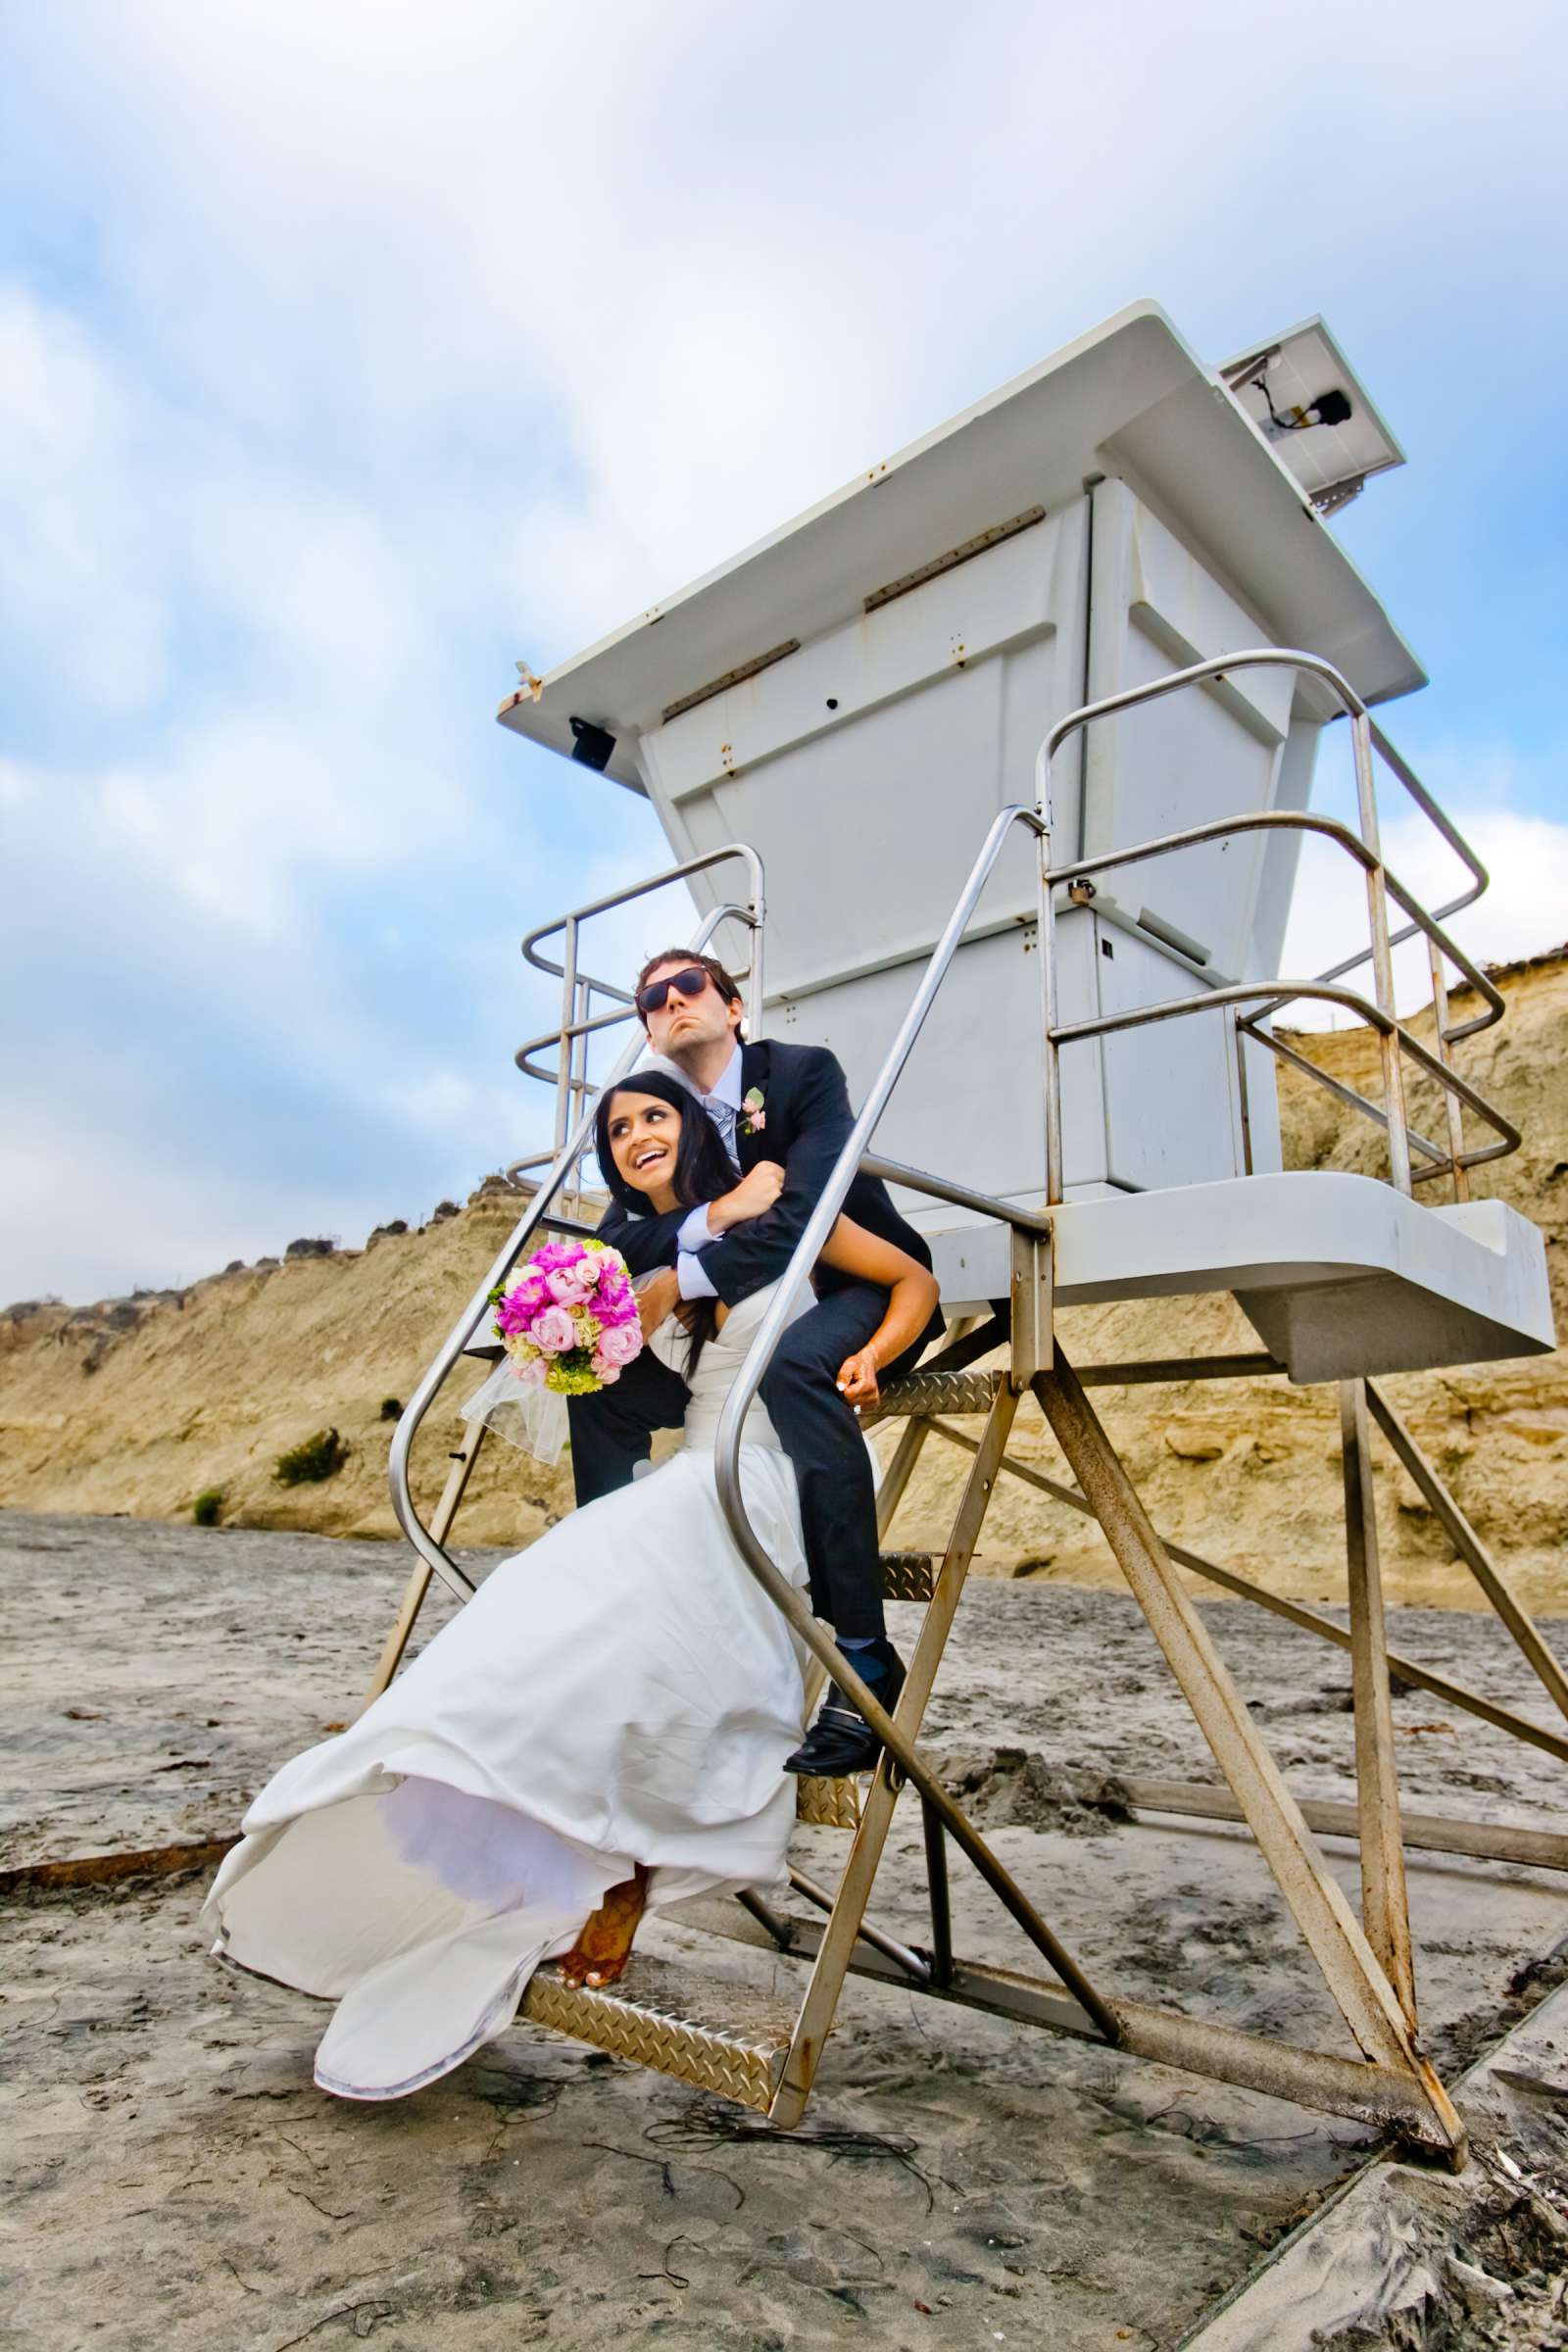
(623, 1691)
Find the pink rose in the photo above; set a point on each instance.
(554, 1331)
(532, 1371)
(569, 1285)
(608, 1374)
(620, 1345)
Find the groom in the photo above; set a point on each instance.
(783, 1114)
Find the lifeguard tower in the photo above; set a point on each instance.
(1020, 727)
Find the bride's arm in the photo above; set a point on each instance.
(911, 1300)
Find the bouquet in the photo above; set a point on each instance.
(569, 1321)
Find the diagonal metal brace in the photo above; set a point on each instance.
(1361, 1991)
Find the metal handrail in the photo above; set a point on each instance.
(1481, 880)
(568, 1030)
(1379, 1013)
(579, 1023)
(1242, 992)
(640, 890)
(1395, 1039)
(960, 1195)
(1290, 820)
(434, 1556)
(1321, 990)
(732, 1417)
(579, 988)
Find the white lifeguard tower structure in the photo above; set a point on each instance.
(1021, 728)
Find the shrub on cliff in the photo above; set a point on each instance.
(319, 1457)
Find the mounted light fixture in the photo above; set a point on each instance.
(1299, 381)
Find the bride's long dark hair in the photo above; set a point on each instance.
(703, 1170)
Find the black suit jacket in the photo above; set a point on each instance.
(806, 1123)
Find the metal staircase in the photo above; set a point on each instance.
(729, 2038)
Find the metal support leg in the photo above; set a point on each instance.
(935, 1871)
(1453, 1694)
(843, 1929)
(1332, 2085)
(1468, 1544)
(896, 1477)
(1363, 1991)
(418, 1583)
(918, 1970)
(1384, 1904)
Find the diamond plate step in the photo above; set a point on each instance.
(827, 1805)
(935, 1392)
(910, 1575)
(650, 2018)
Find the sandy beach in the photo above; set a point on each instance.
(956, 2180)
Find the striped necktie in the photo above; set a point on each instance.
(722, 1115)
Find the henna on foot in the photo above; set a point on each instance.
(603, 1949)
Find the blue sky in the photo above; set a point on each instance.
(349, 354)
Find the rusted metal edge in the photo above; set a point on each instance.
(731, 677)
(1314, 2079)
(954, 557)
(100, 1870)
(1430, 1833)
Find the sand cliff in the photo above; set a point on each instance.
(138, 1405)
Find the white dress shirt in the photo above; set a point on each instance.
(723, 1107)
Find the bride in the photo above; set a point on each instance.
(602, 1729)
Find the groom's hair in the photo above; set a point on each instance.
(708, 963)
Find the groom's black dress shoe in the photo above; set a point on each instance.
(841, 1741)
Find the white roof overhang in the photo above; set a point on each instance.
(1128, 399)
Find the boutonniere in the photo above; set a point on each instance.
(754, 1118)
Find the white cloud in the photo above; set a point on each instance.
(404, 339)
(80, 591)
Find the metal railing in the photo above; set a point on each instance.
(574, 1113)
(749, 1379)
(1270, 998)
(1378, 1013)
(572, 1137)
(579, 1022)
(578, 986)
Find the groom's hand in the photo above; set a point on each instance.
(856, 1379)
(753, 1196)
(658, 1297)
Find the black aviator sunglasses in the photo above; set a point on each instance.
(691, 983)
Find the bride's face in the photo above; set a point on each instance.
(644, 1143)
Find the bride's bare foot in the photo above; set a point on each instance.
(602, 1951)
